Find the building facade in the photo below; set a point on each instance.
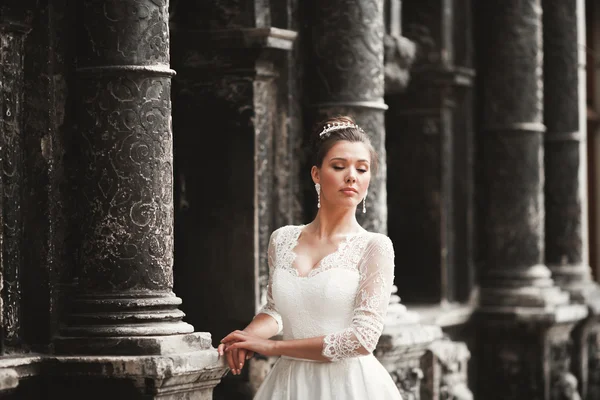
(150, 147)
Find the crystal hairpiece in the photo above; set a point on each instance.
(337, 126)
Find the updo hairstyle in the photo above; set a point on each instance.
(321, 145)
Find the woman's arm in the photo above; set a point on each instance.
(310, 348)
(267, 322)
(361, 337)
(263, 325)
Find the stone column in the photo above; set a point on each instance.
(564, 148)
(124, 300)
(402, 345)
(565, 165)
(524, 318)
(430, 146)
(347, 77)
(12, 39)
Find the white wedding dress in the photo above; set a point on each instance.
(344, 298)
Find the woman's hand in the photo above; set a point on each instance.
(235, 358)
(240, 340)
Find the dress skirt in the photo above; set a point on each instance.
(357, 378)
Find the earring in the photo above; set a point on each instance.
(365, 203)
(318, 189)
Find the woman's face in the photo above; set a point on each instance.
(344, 175)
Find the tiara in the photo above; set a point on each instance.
(337, 126)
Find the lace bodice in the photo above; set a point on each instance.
(344, 298)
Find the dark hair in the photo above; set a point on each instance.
(321, 145)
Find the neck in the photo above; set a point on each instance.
(333, 221)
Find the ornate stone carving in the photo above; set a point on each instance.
(399, 57)
(593, 365)
(348, 54)
(124, 180)
(408, 381)
(445, 365)
(265, 96)
(563, 382)
(348, 50)
(402, 344)
(12, 39)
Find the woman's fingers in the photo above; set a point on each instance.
(231, 362)
(241, 357)
(221, 349)
(235, 335)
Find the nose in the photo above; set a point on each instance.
(351, 176)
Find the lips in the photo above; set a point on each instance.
(349, 190)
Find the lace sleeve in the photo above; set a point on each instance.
(376, 269)
(269, 308)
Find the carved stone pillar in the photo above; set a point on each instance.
(431, 190)
(445, 368)
(230, 104)
(564, 148)
(565, 165)
(523, 316)
(123, 303)
(402, 345)
(347, 77)
(12, 38)
(124, 298)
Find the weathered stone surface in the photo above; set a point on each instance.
(236, 73)
(512, 139)
(430, 163)
(124, 174)
(137, 345)
(564, 149)
(566, 236)
(12, 38)
(446, 371)
(525, 359)
(348, 74)
(400, 349)
(9, 379)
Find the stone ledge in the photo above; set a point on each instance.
(155, 366)
(444, 315)
(138, 345)
(568, 313)
(403, 339)
(242, 38)
(199, 370)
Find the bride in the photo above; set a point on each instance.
(329, 286)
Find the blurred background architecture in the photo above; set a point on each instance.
(149, 148)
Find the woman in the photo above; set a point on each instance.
(329, 287)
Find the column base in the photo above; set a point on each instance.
(586, 338)
(521, 287)
(400, 350)
(134, 345)
(184, 376)
(577, 281)
(524, 352)
(446, 371)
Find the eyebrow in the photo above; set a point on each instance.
(343, 159)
